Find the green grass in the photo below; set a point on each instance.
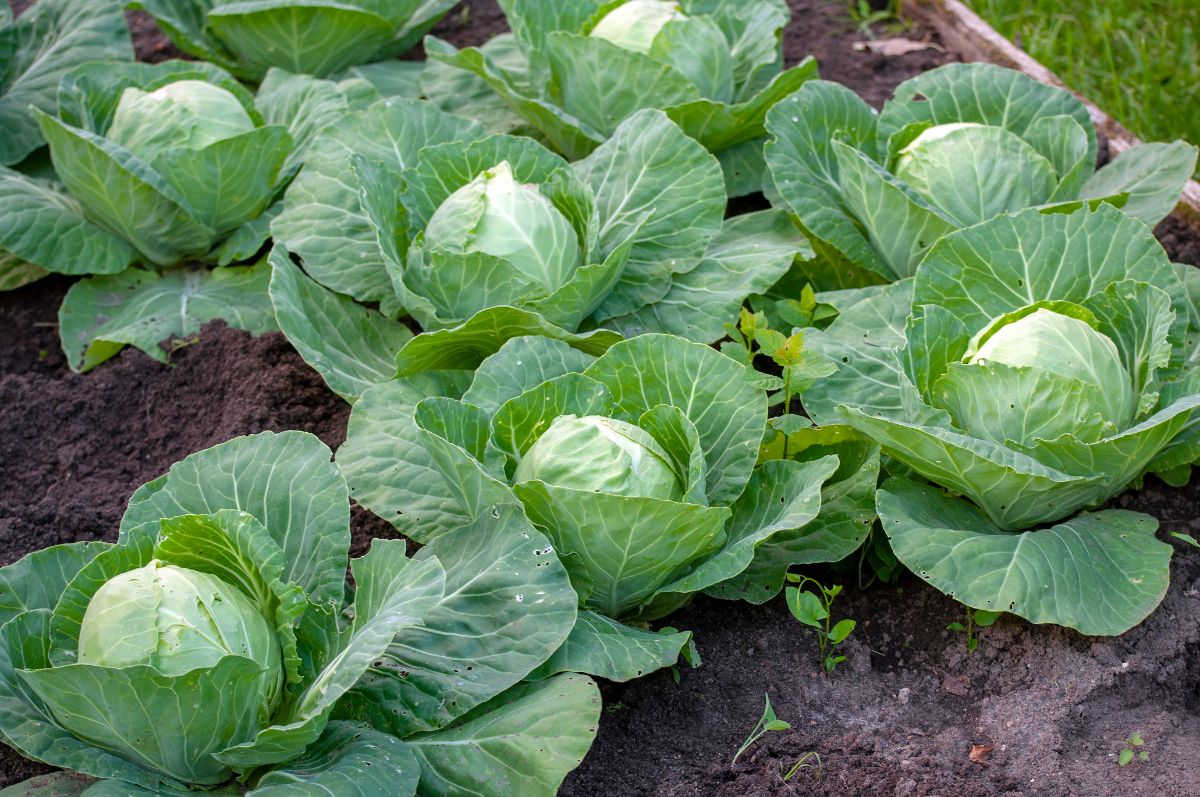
(1139, 60)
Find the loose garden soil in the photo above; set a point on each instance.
(1035, 711)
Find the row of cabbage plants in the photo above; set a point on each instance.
(597, 418)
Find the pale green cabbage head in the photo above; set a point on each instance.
(635, 24)
(603, 455)
(511, 221)
(176, 620)
(1070, 348)
(191, 114)
(930, 135)
(1010, 173)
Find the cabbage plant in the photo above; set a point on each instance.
(217, 639)
(50, 39)
(953, 147)
(482, 238)
(579, 69)
(1035, 366)
(640, 466)
(308, 37)
(160, 171)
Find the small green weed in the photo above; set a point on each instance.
(766, 723)
(1188, 538)
(814, 609)
(800, 369)
(864, 14)
(976, 618)
(810, 760)
(1132, 747)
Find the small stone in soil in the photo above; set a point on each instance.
(957, 685)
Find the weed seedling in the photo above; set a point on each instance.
(814, 609)
(976, 618)
(864, 14)
(1188, 538)
(810, 760)
(1131, 748)
(800, 369)
(766, 723)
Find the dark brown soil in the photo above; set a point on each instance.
(150, 43)
(1180, 241)
(471, 22)
(75, 446)
(824, 30)
(899, 717)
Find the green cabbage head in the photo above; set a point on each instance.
(512, 224)
(1037, 365)
(603, 455)
(176, 620)
(180, 623)
(639, 465)
(1015, 175)
(636, 23)
(1047, 345)
(192, 114)
(163, 161)
(498, 222)
(955, 146)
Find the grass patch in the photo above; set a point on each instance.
(1139, 60)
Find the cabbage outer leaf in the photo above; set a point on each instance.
(49, 40)
(1119, 574)
(525, 741)
(287, 481)
(101, 315)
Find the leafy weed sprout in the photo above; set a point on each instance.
(767, 723)
(976, 618)
(814, 609)
(800, 369)
(864, 14)
(1132, 747)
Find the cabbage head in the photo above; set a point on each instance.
(177, 620)
(639, 465)
(482, 238)
(635, 24)
(499, 240)
(186, 114)
(573, 72)
(954, 146)
(216, 645)
(161, 172)
(309, 37)
(167, 159)
(1037, 365)
(603, 455)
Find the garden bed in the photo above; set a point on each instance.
(1045, 710)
